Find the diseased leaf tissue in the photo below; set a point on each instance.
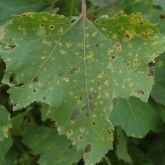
(77, 69)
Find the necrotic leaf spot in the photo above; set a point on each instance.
(36, 79)
(88, 148)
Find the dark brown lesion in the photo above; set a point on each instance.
(151, 66)
(144, 35)
(117, 47)
(51, 27)
(42, 25)
(88, 148)
(140, 91)
(36, 79)
(75, 113)
(92, 96)
(14, 81)
(87, 108)
(74, 70)
(34, 90)
(162, 16)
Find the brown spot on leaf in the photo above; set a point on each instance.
(113, 57)
(88, 107)
(144, 35)
(129, 35)
(97, 45)
(51, 27)
(27, 14)
(140, 91)
(70, 146)
(162, 16)
(80, 137)
(34, 90)
(42, 25)
(88, 148)
(80, 98)
(117, 47)
(74, 70)
(94, 123)
(36, 79)
(69, 132)
(151, 68)
(75, 113)
(92, 96)
(109, 131)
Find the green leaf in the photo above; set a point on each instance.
(146, 8)
(17, 122)
(121, 146)
(158, 91)
(135, 117)
(160, 2)
(134, 44)
(77, 71)
(53, 83)
(9, 8)
(100, 2)
(4, 147)
(2, 68)
(163, 115)
(52, 148)
(5, 123)
(12, 156)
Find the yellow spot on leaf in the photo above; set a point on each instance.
(101, 75)
(66, 79)
(69, 132)
(117, 47)
(5, 130)
(94, 34)
(107, 93)
(62, 51)
(82, 129)
(42, 26)
(51, 27)
(68, 44)
(107, 82)
(109, 66)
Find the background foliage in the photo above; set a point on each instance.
(121, 122)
